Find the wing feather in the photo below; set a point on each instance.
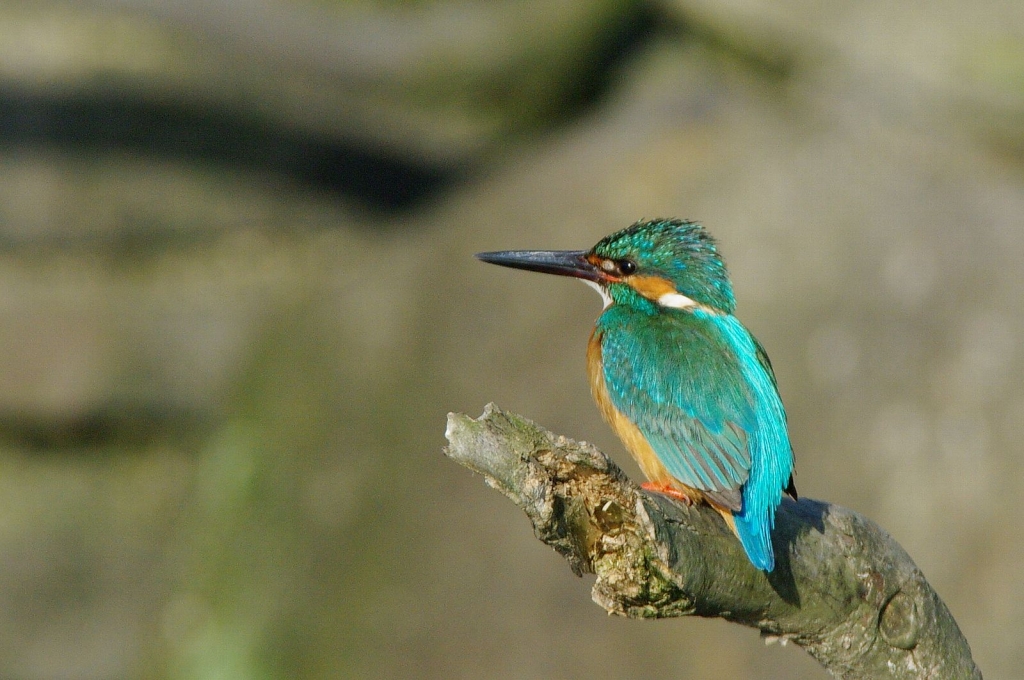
(684, 387)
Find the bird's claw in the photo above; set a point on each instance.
(669, 491)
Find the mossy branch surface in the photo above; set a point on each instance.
(842, 588)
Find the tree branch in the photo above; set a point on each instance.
(842, 588)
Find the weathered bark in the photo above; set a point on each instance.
(842, 588)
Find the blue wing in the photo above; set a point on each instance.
(678, 378)
(700, 389)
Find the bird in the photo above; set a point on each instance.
(684, 385)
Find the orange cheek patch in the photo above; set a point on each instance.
(651, 287)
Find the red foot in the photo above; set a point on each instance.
(669, 491)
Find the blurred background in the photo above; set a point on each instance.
(238, 298)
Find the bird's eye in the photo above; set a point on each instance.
(627, 267)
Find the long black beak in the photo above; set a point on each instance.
(562, 262)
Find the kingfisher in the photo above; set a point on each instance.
(687, 388)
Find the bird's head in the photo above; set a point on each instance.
(670, 262)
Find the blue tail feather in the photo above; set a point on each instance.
(755, 533)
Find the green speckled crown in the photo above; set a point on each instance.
(677, 250)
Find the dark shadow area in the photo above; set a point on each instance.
(797, 516)
(113, 117)
(588, 88)
(112, 120)
(124, 428)
(793, 519)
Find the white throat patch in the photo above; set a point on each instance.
(601, 290)
(676, 301)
